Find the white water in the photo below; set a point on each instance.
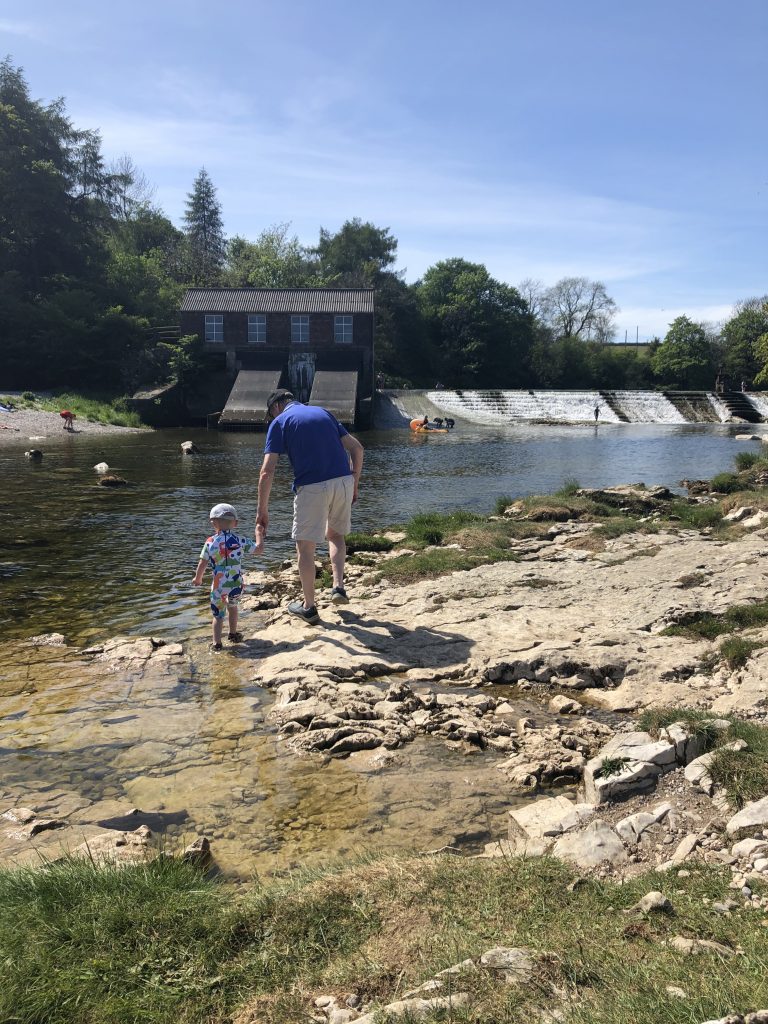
(397, 408)
(760, 402)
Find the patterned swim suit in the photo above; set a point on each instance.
(224, 552)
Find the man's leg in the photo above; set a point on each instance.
(305, 551)
(337, 549)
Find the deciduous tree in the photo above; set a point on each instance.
(576, 307)
(480, 329)
(685, 358)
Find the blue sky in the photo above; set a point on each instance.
(622, 142)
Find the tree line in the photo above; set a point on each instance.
(90, 267)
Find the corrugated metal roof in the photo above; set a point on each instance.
(278, 300)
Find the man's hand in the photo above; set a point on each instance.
(354, 492)
(262, 522)
(260, 534)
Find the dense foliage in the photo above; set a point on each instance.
(90, 270)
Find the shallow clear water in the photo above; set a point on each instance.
(90, 561)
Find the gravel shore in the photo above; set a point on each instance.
(28, 424)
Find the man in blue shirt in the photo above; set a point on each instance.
(326, 462)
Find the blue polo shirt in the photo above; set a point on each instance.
(311, 438)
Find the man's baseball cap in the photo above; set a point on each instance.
(278, 396)
(223, 511)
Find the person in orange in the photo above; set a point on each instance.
(68, 418)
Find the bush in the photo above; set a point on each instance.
(728, 483)
(746, 460)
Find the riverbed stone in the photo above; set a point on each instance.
(119, 848)
(534, 827)
(597, 844)
(750, 819)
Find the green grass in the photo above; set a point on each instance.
(697, 517)
(697, 722)
(367, 542)
(502, 503)
(612, 766)
(728, 483)
(433, 527)
(746, 460)
(736, 651)
(159, 944)
(742, 773)
(96, 409)
(425, 565)
(568, 488)
(618, 527)
(708, 626)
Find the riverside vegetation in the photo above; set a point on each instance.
(90, 408)
(159, 941)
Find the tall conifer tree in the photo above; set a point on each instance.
(205, 232)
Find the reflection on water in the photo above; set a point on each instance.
(91, 561)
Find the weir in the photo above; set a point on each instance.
(396, 408)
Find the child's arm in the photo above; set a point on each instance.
(201, 566)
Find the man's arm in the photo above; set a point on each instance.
(355, 451)
(266, 476)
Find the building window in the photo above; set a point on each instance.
(300, 330)
(342, 330)
(257, 328)
(214, 328)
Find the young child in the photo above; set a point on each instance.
(223, 552)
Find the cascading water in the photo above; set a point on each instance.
(397, 408)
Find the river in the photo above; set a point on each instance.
(90, 561)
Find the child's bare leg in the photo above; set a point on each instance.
(218, 625)
(232, 611)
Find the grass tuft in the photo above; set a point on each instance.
(569, 488)
(367, 542)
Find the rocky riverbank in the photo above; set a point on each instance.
(576, 625)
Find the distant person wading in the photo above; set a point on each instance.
(326, 462)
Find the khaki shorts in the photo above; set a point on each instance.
(321, 507)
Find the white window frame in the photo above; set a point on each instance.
(214, 328)
(343, 329)
(300, 329)
(257, 328)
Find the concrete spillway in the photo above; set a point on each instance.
(397, 408)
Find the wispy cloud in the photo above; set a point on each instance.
(25, 29)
